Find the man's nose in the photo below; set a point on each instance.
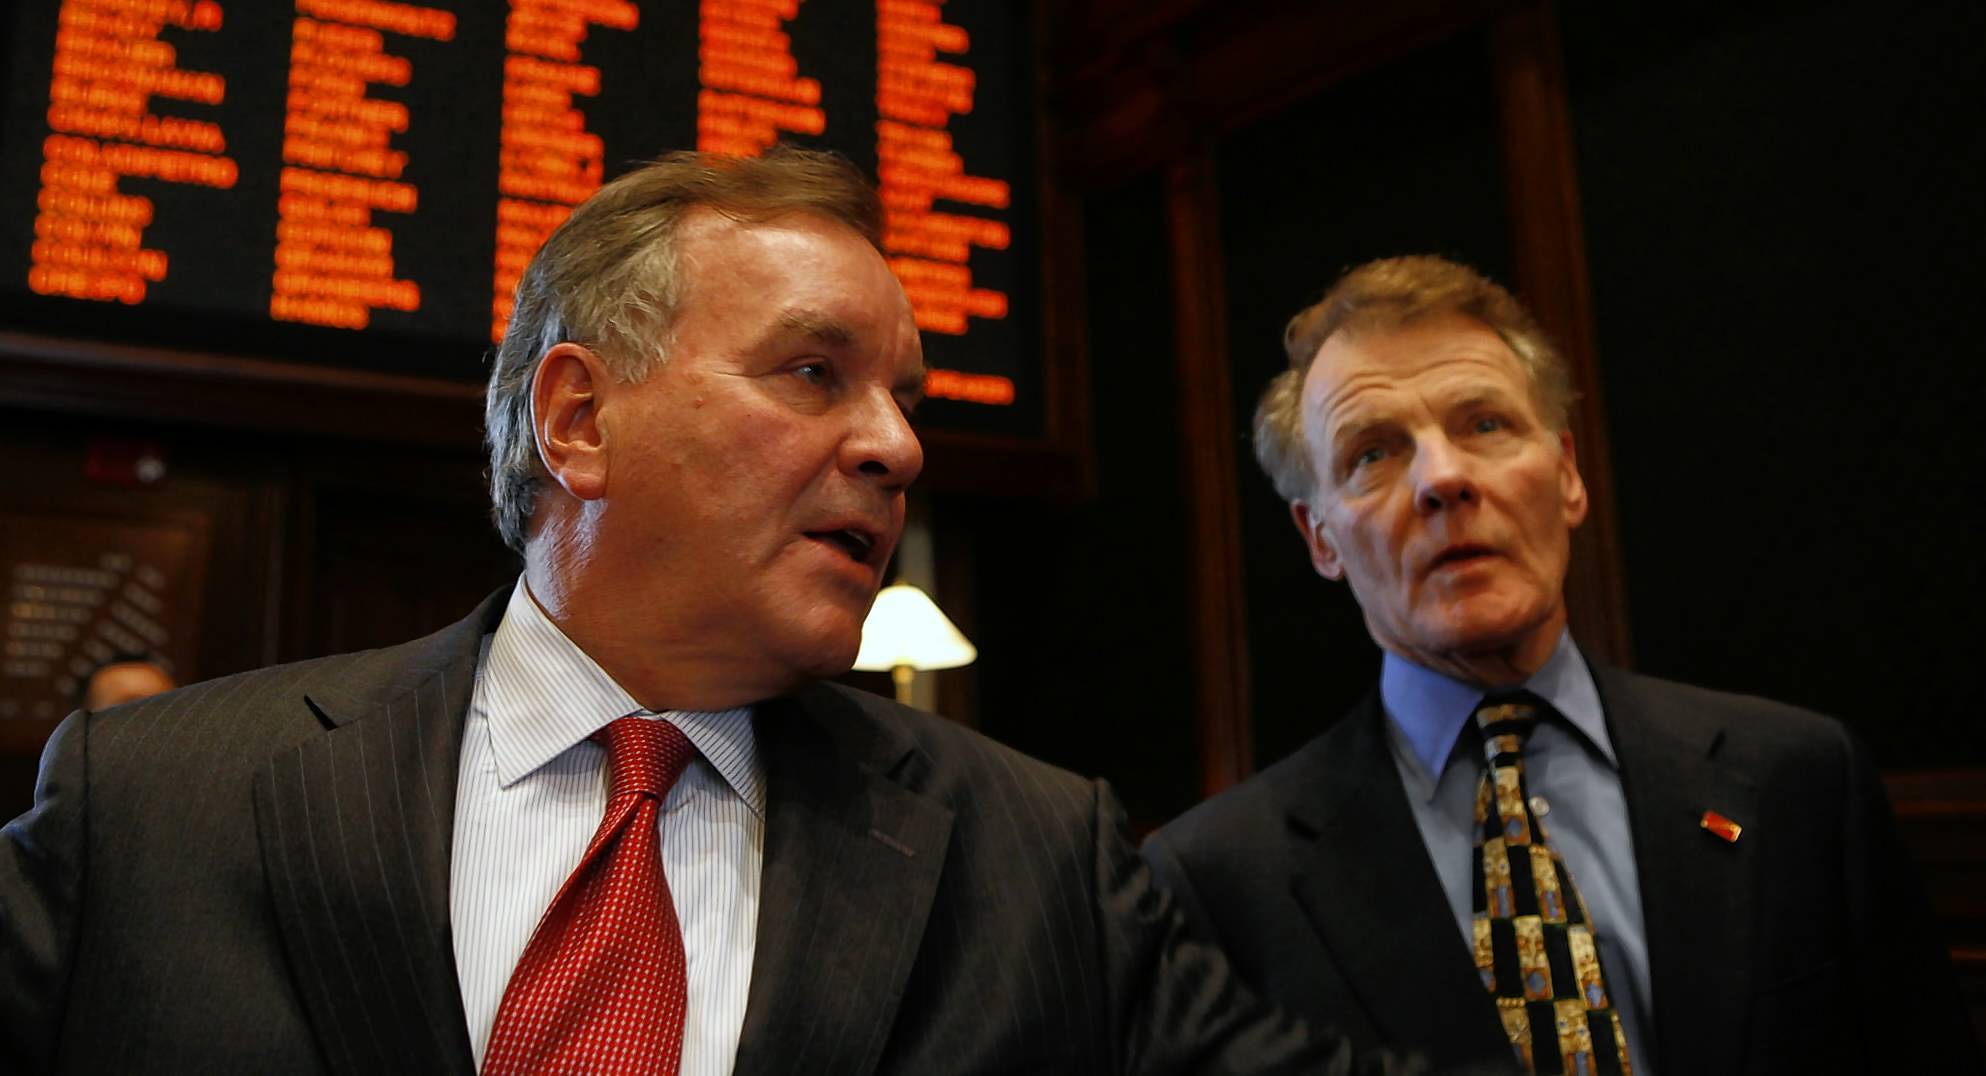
(882, 446)
(1442, 477)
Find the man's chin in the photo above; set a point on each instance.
(1483, 640)
(826, 655)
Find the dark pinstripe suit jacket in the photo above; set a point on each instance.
(251, 875)
(1806, 946)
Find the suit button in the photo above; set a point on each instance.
(1539, 807)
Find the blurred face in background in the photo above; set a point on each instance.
(126, 681)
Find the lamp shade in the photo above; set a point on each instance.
(905, 627)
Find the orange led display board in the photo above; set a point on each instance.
(333, 266)
(361, 183)
(108, 68)
(548, 161)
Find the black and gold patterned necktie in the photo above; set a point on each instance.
(1534, 941)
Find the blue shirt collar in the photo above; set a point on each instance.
(1429, 709)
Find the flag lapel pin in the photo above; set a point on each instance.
(1720, 827)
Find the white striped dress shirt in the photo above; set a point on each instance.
(532, 789)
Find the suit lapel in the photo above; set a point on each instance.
(1362, 876)
(356, 826)
(852, 862)
(1696, 890)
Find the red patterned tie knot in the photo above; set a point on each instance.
(644, 755)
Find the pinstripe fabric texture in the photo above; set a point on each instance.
(252, 875)
(531, 791)
(237, 883)
(948, 905)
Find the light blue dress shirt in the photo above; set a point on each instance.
(1570, 765)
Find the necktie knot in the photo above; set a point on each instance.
(645, 756)
(1506, 722)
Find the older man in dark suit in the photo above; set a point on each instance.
(612, 821)
(1505, 855)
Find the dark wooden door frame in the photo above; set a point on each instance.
(1206, 442)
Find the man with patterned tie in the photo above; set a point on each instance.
(1506, 856)
(613, 821)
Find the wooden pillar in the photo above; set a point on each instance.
(1549, 250)
(1207, 439)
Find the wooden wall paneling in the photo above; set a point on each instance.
(1549, 249)
(1207, 436)
(152, 385)
(1942, 815)
(1127, 77)
(205, 523)
(390, 544)
(956, 556)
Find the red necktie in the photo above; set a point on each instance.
(601, 986)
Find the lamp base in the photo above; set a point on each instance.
(902, 676)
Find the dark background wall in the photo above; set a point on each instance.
(1079, 603)
(1785, 225)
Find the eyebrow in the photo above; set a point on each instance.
(817, 326)
(1363, 422)
(1345, 434)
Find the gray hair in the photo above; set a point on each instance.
(1389, 294)
(608, 278)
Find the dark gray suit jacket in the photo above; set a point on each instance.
(251, 875)
(1804, 947)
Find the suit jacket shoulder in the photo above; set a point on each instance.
(935, 901)
(1765, 951)
(251, 875)
(1313, 876)
(1253, 816)
(157, 882)
(1810, 921)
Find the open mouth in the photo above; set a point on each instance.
(855, 544)
(1459, 554)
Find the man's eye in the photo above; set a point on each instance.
(1368, 456)
(813, 373)
(1489, 424)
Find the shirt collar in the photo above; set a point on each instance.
(1429, 709)
(543, 694)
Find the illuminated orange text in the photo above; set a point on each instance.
(333, 267)
(916, 97)
(752, 90)
(972, 388)
(548, 161)
(109, 64)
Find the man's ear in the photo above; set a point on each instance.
(1322, 556)
(566, 422)
(1572, 488)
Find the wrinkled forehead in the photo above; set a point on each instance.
(1444, 354)
(710, 238)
